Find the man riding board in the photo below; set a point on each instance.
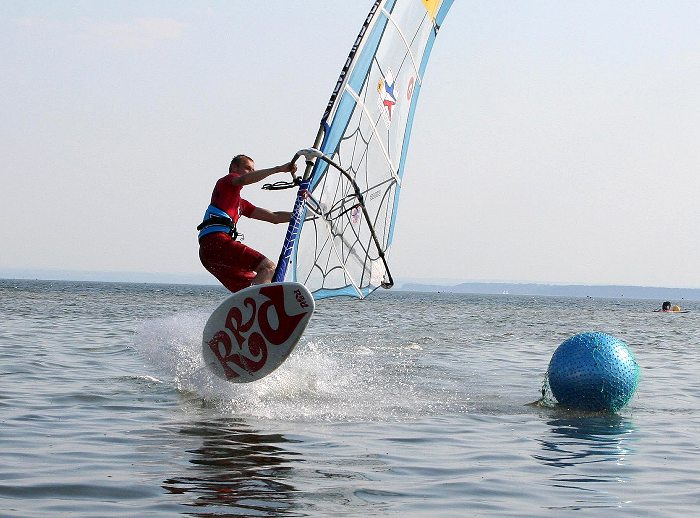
(234, 264)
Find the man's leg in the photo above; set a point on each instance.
(231, 262)
(264, 271)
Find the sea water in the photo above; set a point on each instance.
(405, 404)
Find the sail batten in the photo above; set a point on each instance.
(361, 104)
(406, 43)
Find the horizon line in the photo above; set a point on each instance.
(206, 279)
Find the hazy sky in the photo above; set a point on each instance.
(553, 142)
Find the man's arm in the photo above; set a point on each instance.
(261, 174)
(280, 216)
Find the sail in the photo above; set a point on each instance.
(339, 239)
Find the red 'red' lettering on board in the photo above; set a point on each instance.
(234, 320)
(301, 299)
(219, 340)
(287, 323)
(252, 351)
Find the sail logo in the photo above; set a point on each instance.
(411, 86)
(355, 215)
(387, 96)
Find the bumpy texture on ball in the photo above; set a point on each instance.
(593, 371)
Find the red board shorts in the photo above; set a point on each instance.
(230, 261)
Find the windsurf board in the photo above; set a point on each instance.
(254, 330)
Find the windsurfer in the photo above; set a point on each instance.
(667, 308)
(234, 264)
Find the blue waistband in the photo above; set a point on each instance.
(216, 212)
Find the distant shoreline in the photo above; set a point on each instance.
(560, 290)
(203, 279)
(477, 288)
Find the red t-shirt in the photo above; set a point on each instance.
(227, 197)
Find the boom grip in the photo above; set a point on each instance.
(285, 185)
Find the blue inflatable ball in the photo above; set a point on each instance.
(593, 371)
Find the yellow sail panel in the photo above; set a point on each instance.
(432, 6)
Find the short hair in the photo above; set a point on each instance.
(237, 161)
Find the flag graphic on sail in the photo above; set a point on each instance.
(340, 236)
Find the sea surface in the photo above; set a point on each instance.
(404, 404)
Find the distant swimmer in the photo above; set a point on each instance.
(234, 264)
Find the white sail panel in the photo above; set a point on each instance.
(342, 243)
